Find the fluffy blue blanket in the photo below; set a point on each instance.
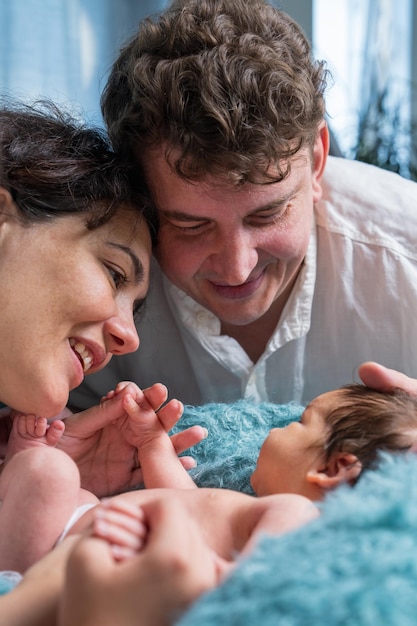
(355, 565)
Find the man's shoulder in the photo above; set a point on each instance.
(364, 182)
(368, 203)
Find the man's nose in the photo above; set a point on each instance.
(236, 257)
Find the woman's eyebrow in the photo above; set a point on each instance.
(138, 269)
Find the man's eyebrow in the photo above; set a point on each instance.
(138, 269)
(273, 204)
(281, 200)
(268, 206)
(183, 217)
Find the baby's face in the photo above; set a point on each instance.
(288, 453)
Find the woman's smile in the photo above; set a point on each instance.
(82, 353)
(83, 286)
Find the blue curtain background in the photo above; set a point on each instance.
(368, 47)
(63, 49)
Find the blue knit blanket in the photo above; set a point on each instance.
(355, 565)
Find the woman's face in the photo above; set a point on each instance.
(67, 301)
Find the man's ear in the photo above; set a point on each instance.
(320, 152)
(343, 467)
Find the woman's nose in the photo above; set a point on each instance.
(121, 336)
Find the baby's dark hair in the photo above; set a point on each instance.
(54, 165)
(367, 422)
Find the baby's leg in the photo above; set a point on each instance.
(122, 524)
(39, 490)
(29, 431)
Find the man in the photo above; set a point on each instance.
(278, 271)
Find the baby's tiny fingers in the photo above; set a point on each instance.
(41, 426)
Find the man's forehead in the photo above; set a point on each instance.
(163, 158)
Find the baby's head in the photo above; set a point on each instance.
(339, 435)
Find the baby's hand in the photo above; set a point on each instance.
(122, 525)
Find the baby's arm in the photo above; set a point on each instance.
(29, 431)
(279, 514)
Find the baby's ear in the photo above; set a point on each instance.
(343, 467)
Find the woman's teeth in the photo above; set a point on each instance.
(81, 350)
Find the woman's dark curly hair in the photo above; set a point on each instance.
(53, 165)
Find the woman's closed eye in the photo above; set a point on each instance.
(117, 275)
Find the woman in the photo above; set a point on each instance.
(74, 249)
(74, 269)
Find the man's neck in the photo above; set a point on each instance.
(254, 337)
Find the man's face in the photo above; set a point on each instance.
(236, 251)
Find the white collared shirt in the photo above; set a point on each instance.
(355, 299)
